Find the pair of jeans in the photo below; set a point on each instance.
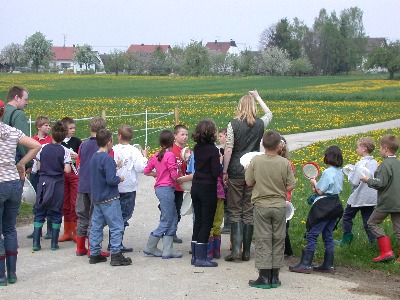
(127, 201)
(106, 213)
(325, 227)
(169, 215)
(204, 199)
(10, 200)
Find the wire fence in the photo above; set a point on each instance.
(145, 132)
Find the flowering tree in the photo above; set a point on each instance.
(274, 61)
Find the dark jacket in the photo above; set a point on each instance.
(324, 209)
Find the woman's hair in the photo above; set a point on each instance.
(166, 140)
(205, 132)
(247, 110)
(284, 151)
(391, 142)
(333, 156)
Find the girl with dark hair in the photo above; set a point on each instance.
(204, 189)
(324, 213)
(166, 173)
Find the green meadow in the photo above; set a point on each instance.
(299, 104)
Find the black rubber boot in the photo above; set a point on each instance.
(327, 265)
(123, 248)
(236, 240)
(120, 260)
(227, 225)
(49, 228)
(305, 264)
(247, 238)
(3, 278)
(193, 246)
(11, 261)
(263, 281)
(275, 282)
(55, 233)
(37, 232)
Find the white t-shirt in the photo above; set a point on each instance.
(9, 138)
(133, 162)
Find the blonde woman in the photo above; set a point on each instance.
(244, 134)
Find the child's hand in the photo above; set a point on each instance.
(364, 179)
(146, 151)
(73, 154)
(254, 94)
(122, 178)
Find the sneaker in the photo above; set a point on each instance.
(120, 260)
(177, 240)
(94, 259)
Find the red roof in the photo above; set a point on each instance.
(63, 53)
(219, 46)
(147, 48)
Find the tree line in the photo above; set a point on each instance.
(334, 44)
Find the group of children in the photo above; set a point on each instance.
(105, 192)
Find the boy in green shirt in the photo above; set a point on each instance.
(387, 183)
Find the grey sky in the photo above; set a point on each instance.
(109, 24)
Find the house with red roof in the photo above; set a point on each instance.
(64, 60)
(223, 47)
(148, 49)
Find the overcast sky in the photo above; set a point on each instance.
(109, 24)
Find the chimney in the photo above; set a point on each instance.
(142, 45)
(233, 44)
(215, 41)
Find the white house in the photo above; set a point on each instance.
(64, 60)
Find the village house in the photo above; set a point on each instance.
(64, 60)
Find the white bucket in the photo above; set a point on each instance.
(186, 208)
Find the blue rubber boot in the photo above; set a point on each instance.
(201, 256)
(37, 232)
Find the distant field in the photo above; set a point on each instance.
(299, 104)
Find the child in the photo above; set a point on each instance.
(70, 183)
(53, 161)
(208, 168)
(214, 240)
(272, 177)
(387, 183)
(324, 213)
(222, 141)
(83, 202)
(180, 136)
(133, 161)
(362, 197)
(106, 207)
(164, 162)
(284, 152)
(42, 124)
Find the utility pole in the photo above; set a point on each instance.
(65, 38)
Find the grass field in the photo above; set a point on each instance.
(298, 105)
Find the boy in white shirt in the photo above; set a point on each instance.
(133, 162)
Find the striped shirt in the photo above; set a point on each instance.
(9, 138)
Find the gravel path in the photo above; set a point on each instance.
(60, 274)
